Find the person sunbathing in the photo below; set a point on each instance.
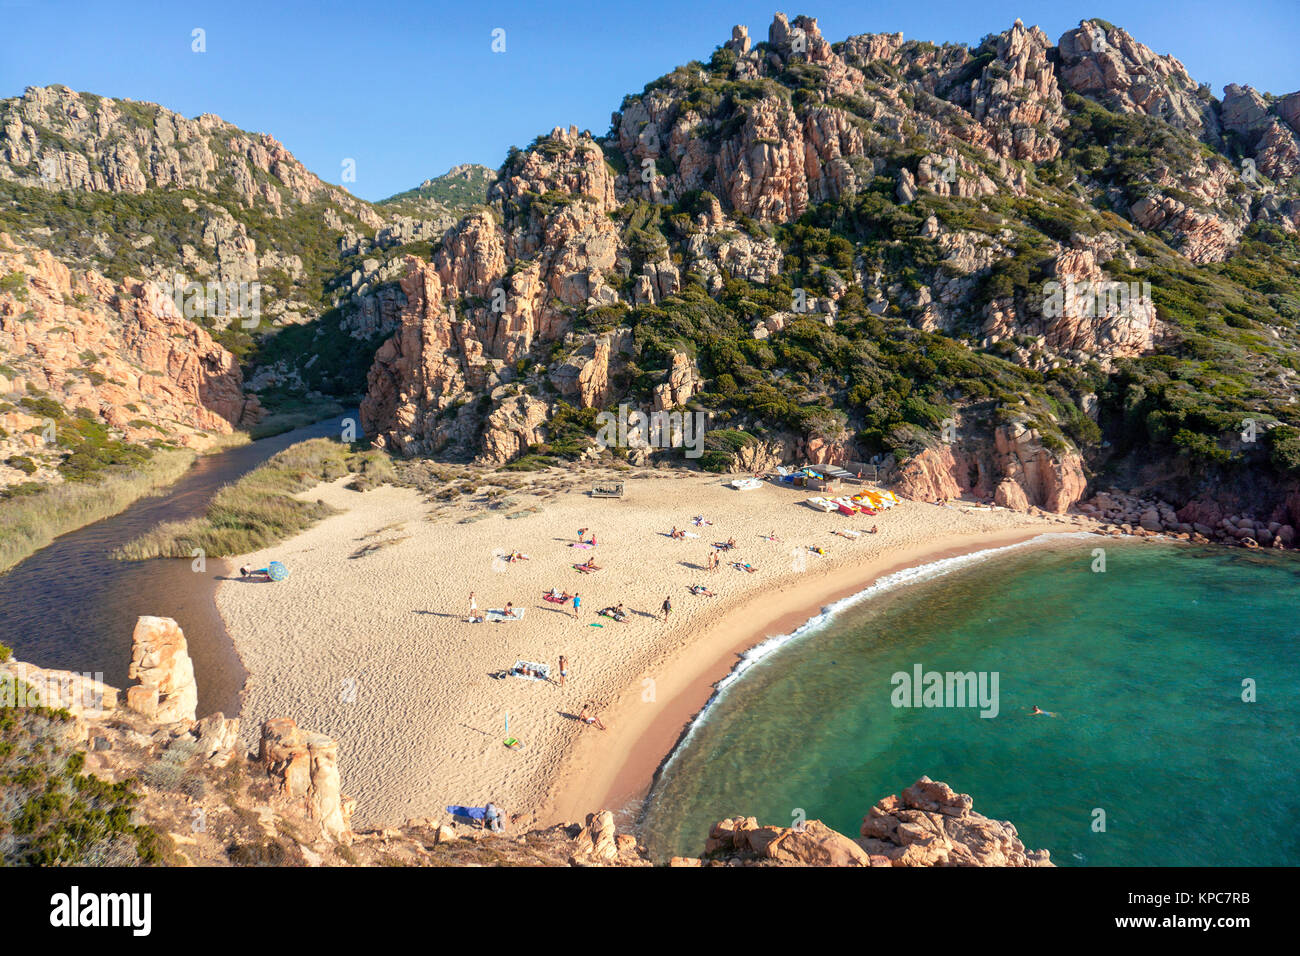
(588, 716)
(617, 613)
(676, 534)
(873, 530)
(743, 566)
(589, 565)
(701, 590)
(771, 537)
(699, 521)
(731, 543)
(517, 556)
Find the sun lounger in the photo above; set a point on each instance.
(821, 504)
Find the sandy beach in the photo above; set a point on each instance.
(368, 640)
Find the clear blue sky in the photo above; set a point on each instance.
(408, 89)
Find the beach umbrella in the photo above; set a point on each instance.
(277, 571)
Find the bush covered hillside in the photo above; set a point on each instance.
(1036, 261)
(452, 194)
(1071, 253)
(131, 189)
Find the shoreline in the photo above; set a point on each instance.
(367, 641)
(629, 764)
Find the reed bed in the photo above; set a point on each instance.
(260, 509)
(30, 522)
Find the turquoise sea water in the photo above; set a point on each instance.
(1142, 664)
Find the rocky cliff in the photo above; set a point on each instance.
(117, 353)
(833, 248)
(830, 250)
(134, 190)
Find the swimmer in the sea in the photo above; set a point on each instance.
(1038, 711)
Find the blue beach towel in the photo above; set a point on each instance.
(474, 813)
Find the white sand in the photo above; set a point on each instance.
(375, 650)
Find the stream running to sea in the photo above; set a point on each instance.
(73, 607)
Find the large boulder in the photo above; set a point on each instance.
(930, 824)
(160, 662)
(304, 767)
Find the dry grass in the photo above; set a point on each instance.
(374, 546)
(260, 509)
(28, 523)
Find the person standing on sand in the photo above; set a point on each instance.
(577, 605)
(581, 532)
(667, 607)
(473, 608)
(564, 669)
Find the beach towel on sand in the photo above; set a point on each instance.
(501, 615)
(474, 813)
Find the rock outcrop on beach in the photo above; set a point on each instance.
(160, 663)
(305, 766)
(203, 798)
(1014, 470)
(929, 824)
(1201, 520)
